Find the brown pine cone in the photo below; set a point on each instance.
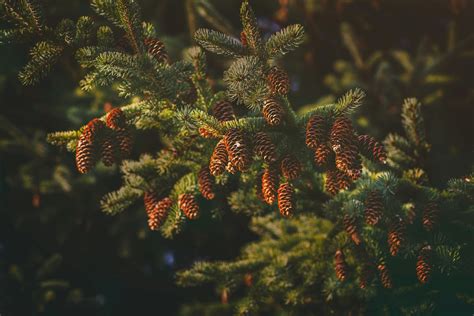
(366, 276)
(336, 180)
(384, 274)
(286, 199)
(218, 162)
(159, 213)
(125, 141)
(340, 265)
(342, 135)
(223, 111)
(231, 168)
(116, 119)
(89, 145)
(243, 39)
(248, 279)
(206, 183)
(344, 144)
(423, 265)
(237, 149)
(348, 161)
(396, 235)
(430, 216)
(150, 200)
(371, 148)
(290, 167)
(272, 111)
(187, 203)
(270, 184)
(157, 49)
(316, 131)
(373, 208)
(264, 147)
(110, 150)
(350, 225)
(278, 81)
(323, 155)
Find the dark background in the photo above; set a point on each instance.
(51, 227)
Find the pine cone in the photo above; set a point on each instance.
(316, 132)
(237, 149)
(396, 235)
(423, 265)
(336, 180)
(219, 160)
(187, 203)
(110, 150)
(157, 49)
(248, 279)
(278, 81)
(125, 141)
(340, 265)
(269, 184)
(243, 39)
(384, 276)
(159, 213)
(430, 216)
(89, 144)
(264, 147)
(206, 183)
(116, 119)
(290, 167)
(223, 111)
(373, 208)
(342, 135)
(344, 144)
(150, 200)
(231, 168)
(366, 276)
(323, 155)
(350, 225)
(371, 148)
(348, 161)
(286, 199)
(272, 111)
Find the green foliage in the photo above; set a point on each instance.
(290, 263)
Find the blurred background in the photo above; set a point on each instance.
(59, 255)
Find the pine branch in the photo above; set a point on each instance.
(285, 41)
(252, 31)
(129, 14)
(413, 122)
(219, 43)
(349, 102)
(43, 56)
(116, 202)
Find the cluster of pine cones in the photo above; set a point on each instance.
(158, 209)
(235, 151)
(396, 238)
(110, 141)
(337, 147)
